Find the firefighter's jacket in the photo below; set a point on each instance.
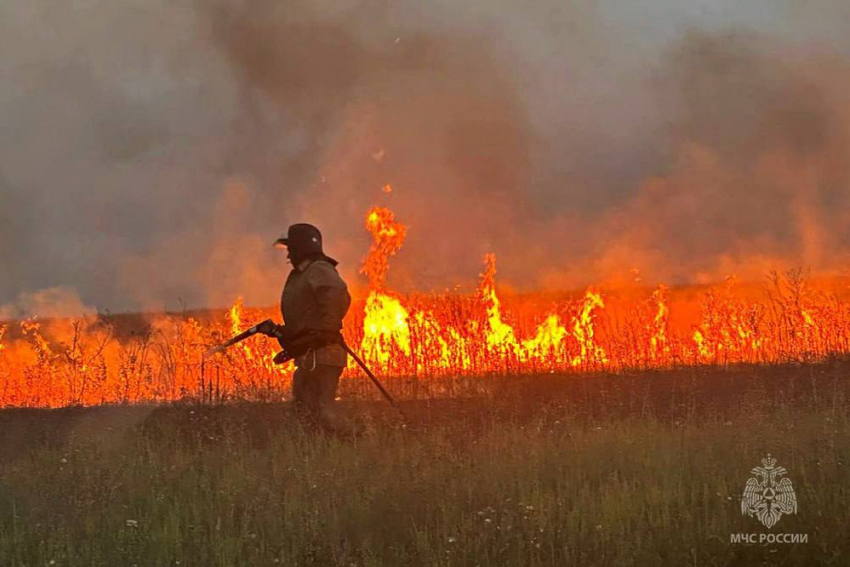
(315, 298)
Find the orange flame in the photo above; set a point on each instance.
(499, 335)
(658, 342)
(385, 325)
(385, 328)
(434, 335)
(584, 333)
(387, 239)
(548, 337)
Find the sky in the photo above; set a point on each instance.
(151, 151)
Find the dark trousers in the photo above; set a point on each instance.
(314, 392)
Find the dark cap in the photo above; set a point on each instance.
(304, 238)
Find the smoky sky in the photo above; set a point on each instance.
(151, 151)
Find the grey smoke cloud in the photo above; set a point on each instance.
(151, 151)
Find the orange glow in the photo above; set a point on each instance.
(387, 239)
(385, 328)
(429, 336)
(658, 342)
(499, 335)
(591, 353)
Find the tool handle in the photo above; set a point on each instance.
(374, 380)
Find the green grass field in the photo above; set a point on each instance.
(646, 469)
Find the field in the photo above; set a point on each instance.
(642, 468)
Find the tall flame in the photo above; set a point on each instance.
(387, 239)
(584, 333)
(385, 326)
(499, 335)
(658, 341)
(235, 317)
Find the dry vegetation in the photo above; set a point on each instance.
(639, 468)
(428, 345)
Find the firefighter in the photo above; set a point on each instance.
(314, 302)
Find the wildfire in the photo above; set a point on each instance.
(428, 336)
(385, 328)
(235, 316)
(387, 239)
(251, 353)
(658, 341)
(499, 335)
(385, 325)
(584, 333)
(550, 335)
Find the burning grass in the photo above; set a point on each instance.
(430, 345)
(643, 469)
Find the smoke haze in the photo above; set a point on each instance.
(151, 151)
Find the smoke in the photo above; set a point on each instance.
(152, 151)
(48, 303)
(756, 172)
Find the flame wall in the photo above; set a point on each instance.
(422, 345)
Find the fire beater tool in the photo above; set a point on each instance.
(258, 328)
(269, 327)
(374, 380)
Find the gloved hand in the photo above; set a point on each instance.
(285, 337)
(269, 328)
(295, 346)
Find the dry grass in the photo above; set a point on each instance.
(643, 469)
(159, 358)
